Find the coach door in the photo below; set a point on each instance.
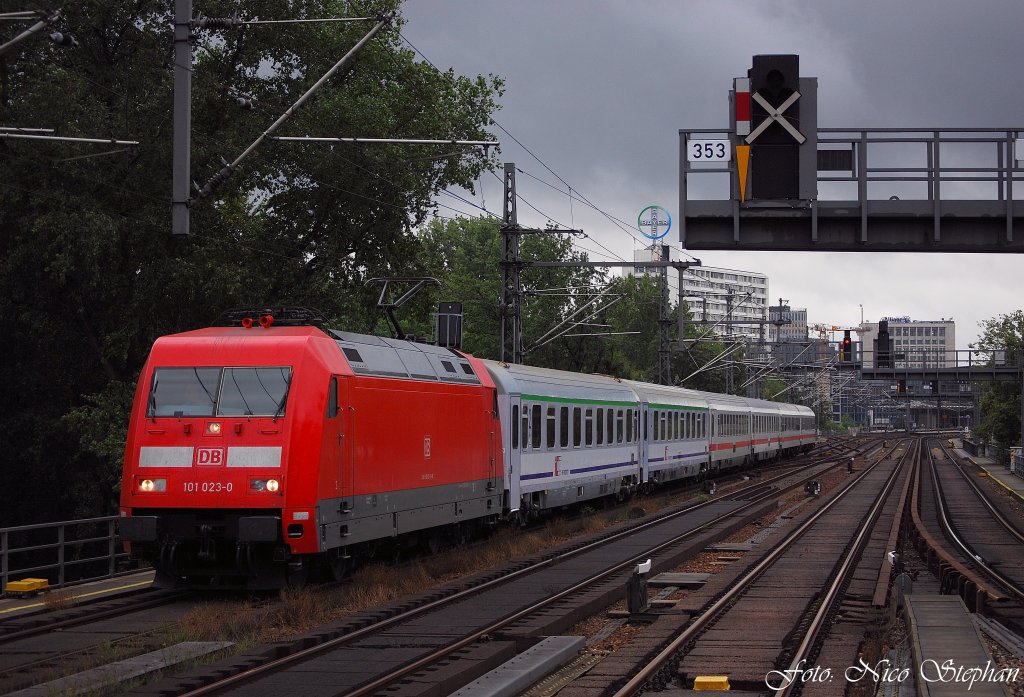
(513, 453)
(645, 444)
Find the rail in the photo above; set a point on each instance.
(65, 552)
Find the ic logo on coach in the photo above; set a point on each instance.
(210, 457)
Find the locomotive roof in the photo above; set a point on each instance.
(384, 357)
(240, 346)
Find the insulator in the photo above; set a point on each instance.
(218, 23)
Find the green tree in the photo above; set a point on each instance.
(776, 389)
(1000, 401)
(89, 273)
(465, 254)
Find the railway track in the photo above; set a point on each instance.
(477, 621)
(37, 647)
(974, 545)
(791, 594)
(87, 631)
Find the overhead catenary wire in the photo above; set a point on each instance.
(624, 226)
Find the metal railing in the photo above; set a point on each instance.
(71, 551)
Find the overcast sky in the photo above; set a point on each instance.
(599, 90)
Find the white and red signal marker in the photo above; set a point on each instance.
(742, 91)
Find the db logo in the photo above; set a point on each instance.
(210, 456)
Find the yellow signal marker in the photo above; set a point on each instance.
(742, 162)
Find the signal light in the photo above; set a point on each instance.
(266, 321)
(846, 348)
(247, 322)
(775, 152)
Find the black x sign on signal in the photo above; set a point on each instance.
(775, 115)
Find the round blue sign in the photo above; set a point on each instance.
(654, 222)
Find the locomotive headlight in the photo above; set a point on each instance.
(271, 485)
(148, 485)
(213, 428)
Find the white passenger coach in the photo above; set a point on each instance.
(570, 437)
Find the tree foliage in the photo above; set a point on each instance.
(616, 336)
(1000, 401)
(89, 272)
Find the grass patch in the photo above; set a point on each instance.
(249, 623)
(59, 599)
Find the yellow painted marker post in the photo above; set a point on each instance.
(742, 163)
(718, 683)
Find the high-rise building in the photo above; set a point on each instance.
(788, 336)
(718, 295)
(915, 343)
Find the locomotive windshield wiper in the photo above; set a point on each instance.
(284, 398)
(151, 407)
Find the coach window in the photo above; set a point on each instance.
(535, 426)
(600, 426)
(588, 427)
(629, 425)
(551, 428)
(525, 422)
(676, 418)
(515, 426)
(619, 431)
(577, 426)
(563, 425)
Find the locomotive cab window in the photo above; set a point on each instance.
(254, 391)
(183, 392)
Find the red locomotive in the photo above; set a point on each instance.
(254, 452)
(267, 447)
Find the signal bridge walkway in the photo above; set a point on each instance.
(941, 365)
